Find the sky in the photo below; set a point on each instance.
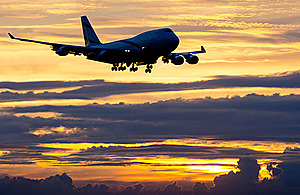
(228, 124)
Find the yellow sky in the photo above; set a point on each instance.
(242, 37)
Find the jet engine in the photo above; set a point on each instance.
(178, 60)
(192, 59)
(62, 51)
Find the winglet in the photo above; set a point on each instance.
(203, 49)
(11, 36)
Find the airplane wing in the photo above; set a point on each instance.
(61, 49)
(189, 53)
(178, 58)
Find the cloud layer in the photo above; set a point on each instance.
(244, 181)
(25, 91)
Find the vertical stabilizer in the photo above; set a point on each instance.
(89, 34)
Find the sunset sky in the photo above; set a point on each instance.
(188, 123)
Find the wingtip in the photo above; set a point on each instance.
(11, 36)
(203, 49)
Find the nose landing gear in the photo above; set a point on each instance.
(118, 67)
(122, 68)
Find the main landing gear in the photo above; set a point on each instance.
(148, 68)
(118, 67)
(115, 67)
(133, 68)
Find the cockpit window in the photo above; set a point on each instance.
(168, 30)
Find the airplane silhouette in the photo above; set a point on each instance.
(143, 49)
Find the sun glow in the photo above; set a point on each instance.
(265, 146)
(40, 114)
(211, 169)
(49, 131)
(4, 152)
(163, 167)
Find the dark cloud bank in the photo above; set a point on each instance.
(285, 180)
(100, 88)
(253, 117)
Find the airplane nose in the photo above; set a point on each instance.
(174, 42)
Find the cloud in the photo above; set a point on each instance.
(58, 184)
(87, 90)
(47, 84)
(244, 181)
(250, 117)
(238, 183)
(172, 151)
(200, 188)
(254, 117)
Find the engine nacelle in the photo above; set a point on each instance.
(178, 60)
(62, 51)
(192, 59)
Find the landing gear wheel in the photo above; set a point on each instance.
(115, 67)
(122, 68)
(133, 68)
(148, 68)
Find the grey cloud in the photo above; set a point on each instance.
(100, 156)
(254, 115)
(175, 151)
(116, 164)
(99, 88)
(47, 84)
(59, 184)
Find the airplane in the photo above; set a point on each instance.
(142, 49)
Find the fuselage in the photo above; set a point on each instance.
(145, 48)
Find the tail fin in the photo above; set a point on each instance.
(89, 34)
